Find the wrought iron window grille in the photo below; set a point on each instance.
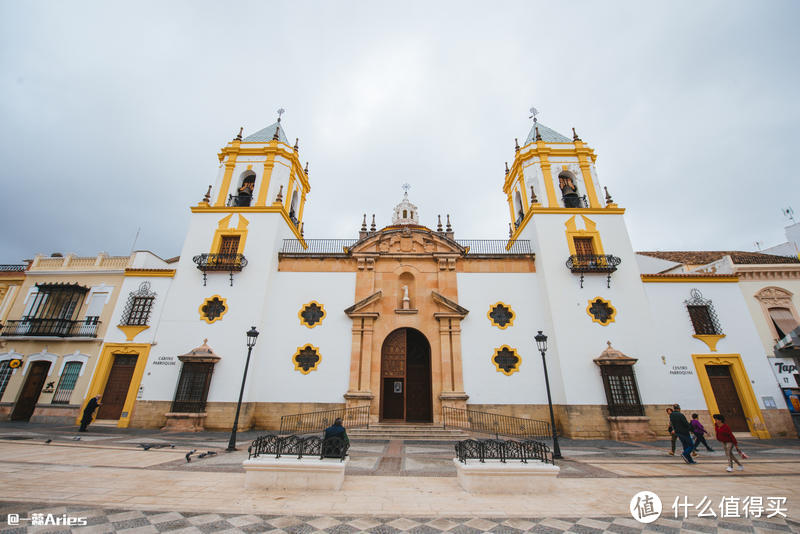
(595, 263)
(137, 309)
(702, 314)
(506, 360)
(312, 314)
(213, 309)
(501, 315)
(66, 383)
(298, 446)
(232, 263)
(622, 391)
(306, 359)
(503, 450)
(192, 392)
(602, 311)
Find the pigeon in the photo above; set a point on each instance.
(145, 446)
(202, 455)
(48, 441)
(189, 454)
(211, 453)
(76, 438)
(171, 446)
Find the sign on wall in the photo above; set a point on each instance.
(785, 370)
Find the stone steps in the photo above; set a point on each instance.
(407, 432)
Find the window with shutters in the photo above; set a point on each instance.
(702, 315)
(584, 246)
(5, 375)
(783, 321)
(193, 384)
(229, 244)
(67, 383)
(779, 310)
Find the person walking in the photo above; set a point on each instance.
(728, 440)
(88, 412)
(682, 428)
(699, 433)
(672, 434)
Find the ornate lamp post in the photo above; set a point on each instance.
(252, 335)
(541, 344)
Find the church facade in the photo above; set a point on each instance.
(410, 321)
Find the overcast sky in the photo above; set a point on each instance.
(112, 114)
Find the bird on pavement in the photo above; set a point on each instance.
(48, 441)
(189, 454)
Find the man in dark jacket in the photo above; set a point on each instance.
(337, 430)
(683, 430)
(88, 412)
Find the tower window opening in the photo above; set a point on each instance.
(518, 208)
(293, 209)
(244, 195)
(405, 214)
(569, 190)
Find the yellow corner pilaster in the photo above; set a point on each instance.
(588, 183)
(744, 389)
(287, 202)
(525, 203)
(269, 164)
(511, 211)
(302, 207)
(547, 176)
(230, 165)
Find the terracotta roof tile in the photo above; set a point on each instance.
(703, 257)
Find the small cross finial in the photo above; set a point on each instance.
(406, 187)
(281, 111)
(534, 113)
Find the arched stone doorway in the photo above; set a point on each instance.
(406, 377)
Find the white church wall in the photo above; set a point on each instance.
(674, 378)
(158, 284)
(282, 334)
(650, 265)
(483, 383)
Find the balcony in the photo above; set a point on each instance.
(228, 263)
(34, 327)
(593, 264)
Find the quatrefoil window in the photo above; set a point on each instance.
(311, 314)
(506, 360)
(213, 308)
(601, 311)
(306, 359)
(501, 315)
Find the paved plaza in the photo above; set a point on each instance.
(140, 481)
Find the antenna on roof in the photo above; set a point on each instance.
(758, 245)
(281, 111)
(789, 213)
(534, 112)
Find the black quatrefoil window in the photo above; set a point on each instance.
(501, 315)
(506, 360)
(213, 309)
(601, 311)
(312, 314)
(306, 359)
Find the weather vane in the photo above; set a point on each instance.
(789, 213)
(281, 111)
(534, 112)
(406, 187)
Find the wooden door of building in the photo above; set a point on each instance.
(406, 377)
(728, 402)
(29, 396)
(116, 391)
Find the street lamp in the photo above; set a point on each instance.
(252, 335)
(541, 344)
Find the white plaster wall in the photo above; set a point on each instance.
(479, 338)
(650, 265)
(274, 377)
(674, 341)
(144, 259)
(575, 340)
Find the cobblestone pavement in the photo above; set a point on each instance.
(102, 520)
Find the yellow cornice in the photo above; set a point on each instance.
(168, 273)
(681, 279)
(572, 211)
(276, 149)
(253, 209)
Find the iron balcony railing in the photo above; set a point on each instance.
(498, 449)
(242, 199)
(12, 268)
(51, 327)
(492, 423)
(593, 263)
(229, 263)
(475, 247)
(277, 446)
(311, 422)
(575, 201)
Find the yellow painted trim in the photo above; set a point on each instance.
(755, 420)
(607, 303)
(500, 369)
(525, 204)
(549, 186)
(269, 164)
(689, 279)
(206, 301)
(302, 207)
(491, 319)
(168, 273)
(297, 366)
(230, 165)
(591, 232)
(710, 340)
(303, 321)
(131, 331)
(103, 368)
(223, 230)
(260, 209)
(576, 211)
